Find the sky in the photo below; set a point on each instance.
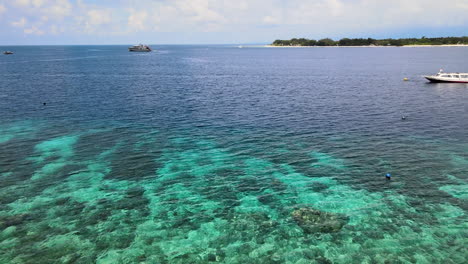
(68, 22)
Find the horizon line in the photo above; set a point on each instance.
(131, 44)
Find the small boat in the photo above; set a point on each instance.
(140, 48)
(448, 77)
(8, 52)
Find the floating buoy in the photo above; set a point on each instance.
(403, 117)
(388, 176)
(405, 79)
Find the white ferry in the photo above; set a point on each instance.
(140, 48)
(448, 77)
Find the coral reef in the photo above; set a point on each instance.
(315, 221)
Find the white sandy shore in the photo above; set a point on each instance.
(447, 45)
(406, 46)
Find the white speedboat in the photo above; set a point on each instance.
(448, 77)
(140, 48)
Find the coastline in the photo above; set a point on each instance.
(445, 45)
(408, 46)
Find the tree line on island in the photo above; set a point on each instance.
(371, 41)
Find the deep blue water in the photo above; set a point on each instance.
(192, 154)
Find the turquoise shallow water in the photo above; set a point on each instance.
(196, 161)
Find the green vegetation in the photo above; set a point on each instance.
(371, 42)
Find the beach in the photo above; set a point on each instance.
(370, 46)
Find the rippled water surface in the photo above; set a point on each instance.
(196, 154)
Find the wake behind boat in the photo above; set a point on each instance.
(448, 77)
(140, 48)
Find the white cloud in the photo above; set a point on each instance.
(270, 20)
(33, 30)
(200, 10)
(20, 23)
(137, 20)
(58, 8)
(22, 2)
(184, 15)
(241, 17)
(53, 8)
(89, 19)
(53, 30)
(38, 3)
(98, 17)
(336, 7)
(336, 15)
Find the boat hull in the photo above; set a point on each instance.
(440, 80)
(139, 48)
(133, 50)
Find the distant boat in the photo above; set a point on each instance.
(140, 48)
(8, 52)
(448, 77)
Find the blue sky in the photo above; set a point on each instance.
(31, 22)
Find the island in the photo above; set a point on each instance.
(372, 42)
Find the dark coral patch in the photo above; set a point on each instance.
(14, 220)
(318, 186)
(314, 221)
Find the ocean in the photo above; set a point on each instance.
(198, 154)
